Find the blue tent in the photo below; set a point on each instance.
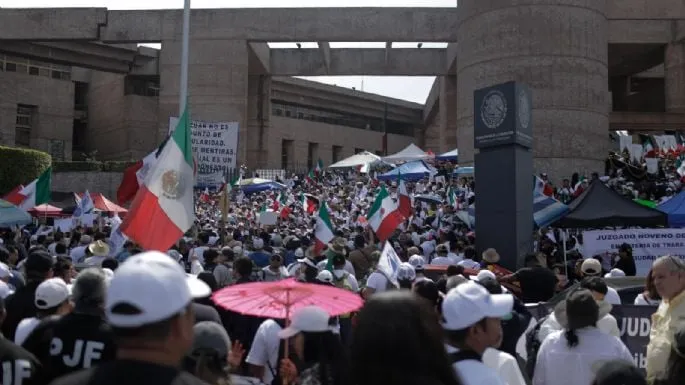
(545, 211)
(449, 155)
(410, 171)
(675, 208)
(463, 170)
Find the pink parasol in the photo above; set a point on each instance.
(279, 299)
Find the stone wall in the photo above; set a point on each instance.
(93, 181)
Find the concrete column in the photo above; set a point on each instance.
(258, 120)
(559, 49)
(448, 114)
(217, 85)
(674, 77)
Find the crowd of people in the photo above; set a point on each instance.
(450, 316)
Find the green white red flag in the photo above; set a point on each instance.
(323, 231)
(163, 209)
(384, 216)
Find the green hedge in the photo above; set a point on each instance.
(91, 166)
(20, 166)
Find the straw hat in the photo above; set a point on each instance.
(490, 255)
(99, 249)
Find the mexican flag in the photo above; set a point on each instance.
(541, 187)
(38, 191)
(648, 146)
(163, 209)
(451, 197)
(308, 203)
(318, 170)
(310, 177)
(384, 216)
(281, 201)
(323, 230)
(403, 198)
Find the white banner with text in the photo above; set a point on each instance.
(647, 244)
(215, 147)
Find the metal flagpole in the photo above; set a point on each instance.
(185, 42)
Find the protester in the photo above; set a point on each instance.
(264, 352)
(378, 356)
(21, 304)
(52, 298)
(472, 324)
(593, 268)
(669, 279)
(212, 357)
(18, 365)
(148, 306)
(625, 261)
(77, 340)
(620, 372)
(537, 283)
(649, 297)
(566, 357)
(320, 354)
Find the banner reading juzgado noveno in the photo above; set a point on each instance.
(215, 148)
(647, 244)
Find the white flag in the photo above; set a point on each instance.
(389, 263)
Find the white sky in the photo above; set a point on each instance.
(414, 89)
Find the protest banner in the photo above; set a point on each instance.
(215, 148)
(634, 323)
(647, 244)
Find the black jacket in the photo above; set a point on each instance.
(19, 305)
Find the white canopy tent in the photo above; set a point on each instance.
(362, 159)
(411, 152)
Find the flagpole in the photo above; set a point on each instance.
(185, 43)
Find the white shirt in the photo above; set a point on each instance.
(472, 372)
(95, 261)
(505, 364)
(264, 350)
(377, 281)
(77, 254)
(456, 258)
(469, 264)
(557, 364)
(612, 297)
(25, 328)
(641, 300)
(442, 261)
(198, 252)
(607, 324)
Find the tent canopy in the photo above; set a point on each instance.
(356, 160)
(411, 152)
(449, 155)
(253, 185)
(101, 203)
(409, 171)
(545, 211)
(675, 208)
(599, 206)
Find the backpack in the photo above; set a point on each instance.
(533, 344)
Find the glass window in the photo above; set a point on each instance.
(33, 70)
(11, 67)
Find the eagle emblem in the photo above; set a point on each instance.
(172, 184)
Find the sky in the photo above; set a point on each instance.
(413, 89)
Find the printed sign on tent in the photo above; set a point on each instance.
(647, 244)
(215, 148)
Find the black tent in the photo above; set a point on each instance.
(599, 206)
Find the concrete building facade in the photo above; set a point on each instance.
(594, 66)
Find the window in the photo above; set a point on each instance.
(10, 67)
(312, 154)
(286, 147)
(337, 152)
(142, 85)
(24, 123)
(33, 70)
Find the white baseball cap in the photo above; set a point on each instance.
(483, 274)
(325, 276)
(615, 273)
(470, 302)
(151, 283)
(50, 293)
(405, 271)
(306, 319)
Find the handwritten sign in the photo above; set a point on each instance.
(215, 148)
